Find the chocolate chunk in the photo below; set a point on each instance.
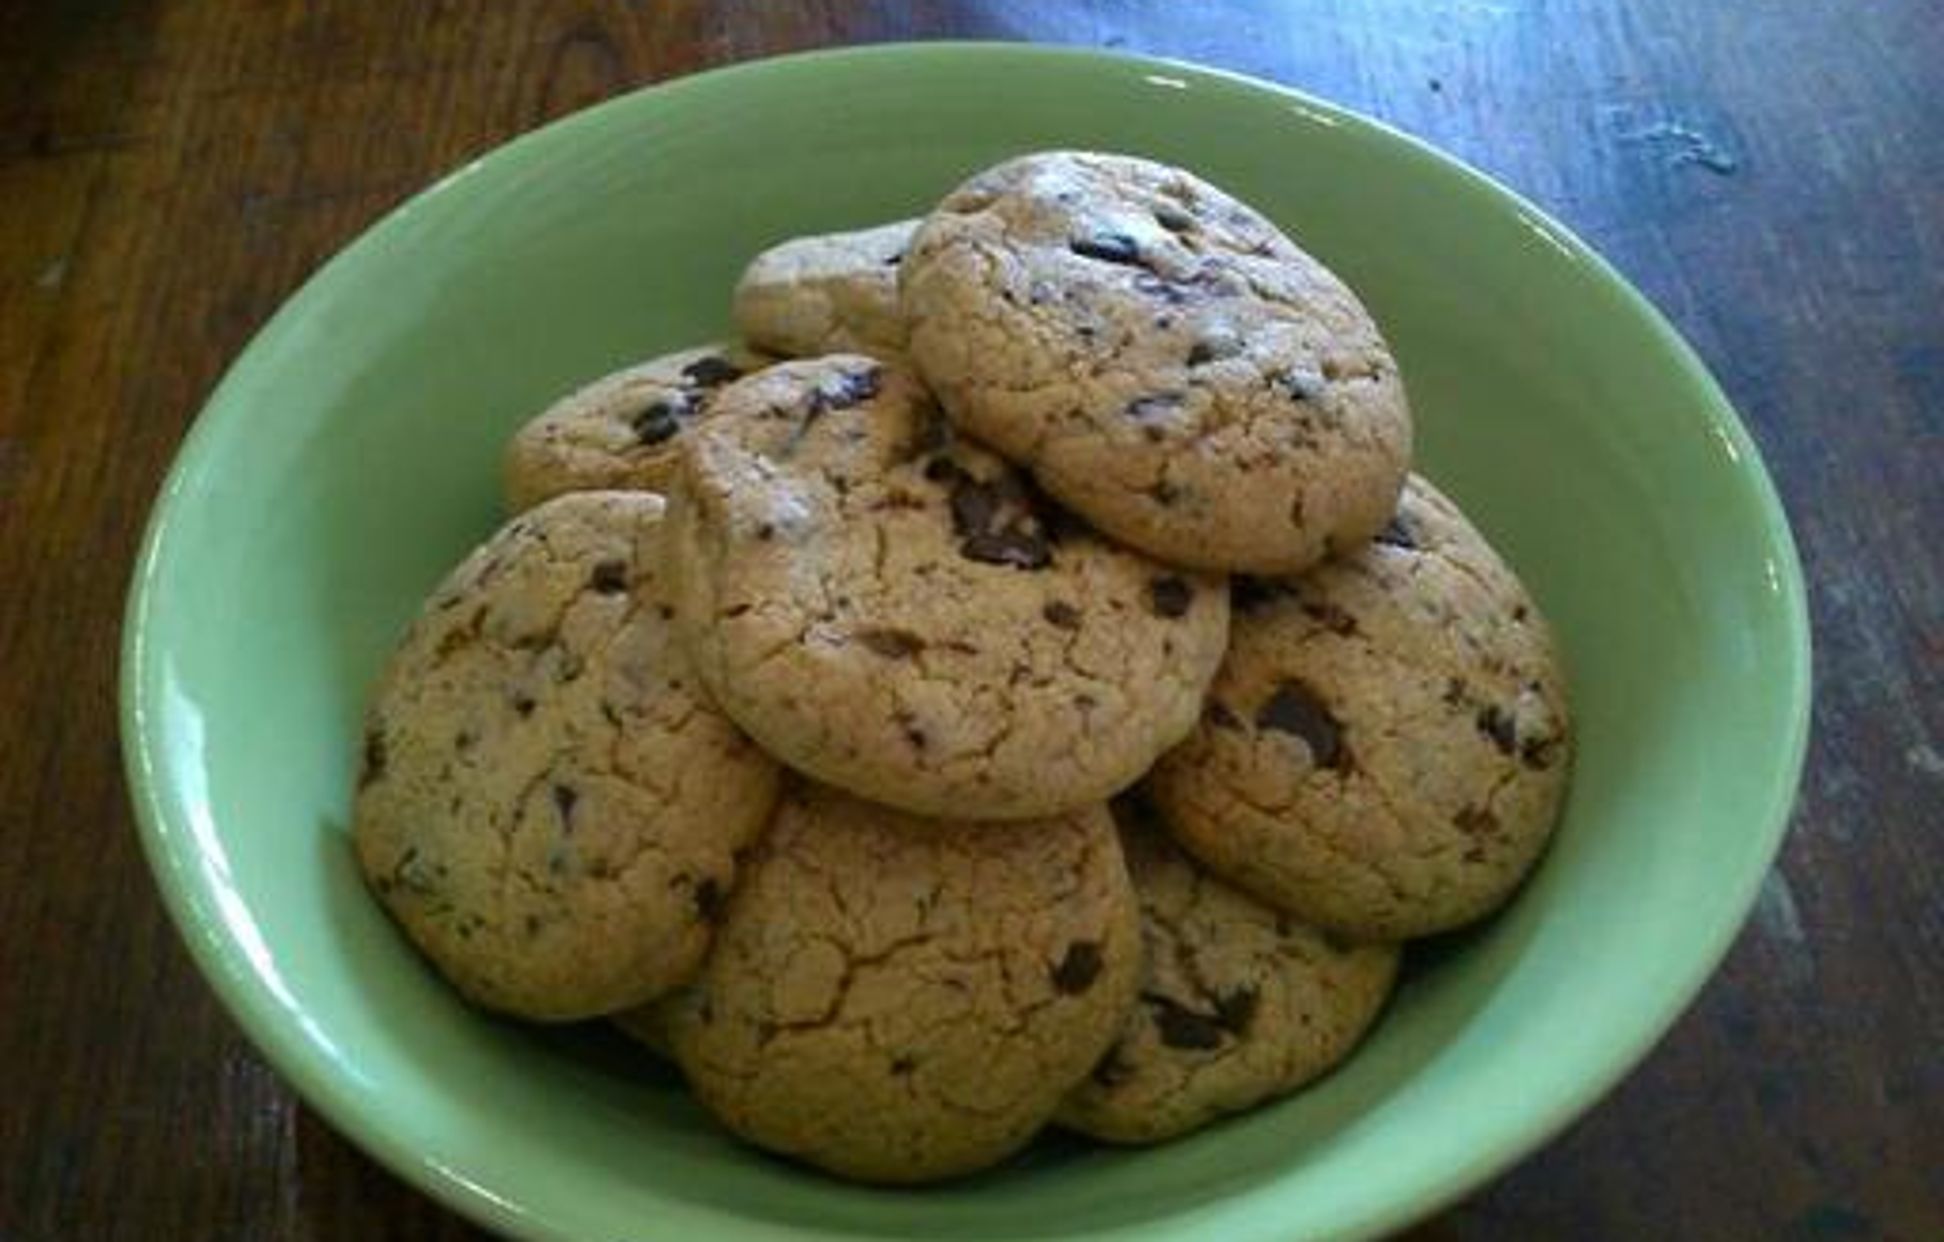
(1174, 219)
(1537, 752)
(1108, 248)
(662, 418)
(564, 798)
(1170, 596)
(1112, 1070)
(1180, 1027)
(1475, 821)
(1235, 1010)
(1062, 614)
(1079, 968)
(373, 765)
(1498, 726)
(1248, 592)
(895, 259)
(609, 577)
(1331, 616)
(1008, 547)
(1396, 534)
(892, 644)
(711, 372)
(1159, 287)
(846, 390)
(1217, 713)
(1296, 710)
(709, 900)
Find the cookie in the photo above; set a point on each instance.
(901, 1000)
(896, 612)
(1162, 358)
(1239, 1003)
(621, 432)
(836, 293)
(1385, 749)
(546, 805)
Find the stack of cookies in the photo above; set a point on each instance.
(1022, 685)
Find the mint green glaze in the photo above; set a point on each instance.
(350, 456)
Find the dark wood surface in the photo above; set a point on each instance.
(1771, 172)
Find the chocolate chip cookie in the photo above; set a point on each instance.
(546, 804)
(896, 611)
(1161, 357)
(622, 431)
(901, 1000)
(834, 293)
(1386, 746)
(1239, 1003)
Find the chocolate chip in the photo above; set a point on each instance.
(1537, 752)
(845, 390)
(892, 644)
(895, 259)
(1180, 1027)
(1200, 354)
(523, 704)
(711, 372)
(1498, 726)
(1235, 1010)
(903, 1064)
(708, 900)
(1062, 614)
(1108, 248)
(564, 798)
(1170, 596)
(1296, 710)
(1331, 616)
(1008, 547)
(1173, 219)
(463, 740)
(1111, 1070)
(765, 532)
(1475, 821)
(373, 765)
(662, 418)
(665, 611)
(609, 577)
(1248, 592)
(1396, 534)
(1079, 968)
(1520, 612)
(1218, 714)
(1159, 287)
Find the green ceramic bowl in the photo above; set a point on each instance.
(349, 458)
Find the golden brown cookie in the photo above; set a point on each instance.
(901, 1000)
(829, 294)
(1161, 357)
(623, 431)
(1385, 749)
(1239, 1002)
(896, 612)
(547, 806)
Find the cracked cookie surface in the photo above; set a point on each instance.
(900, 1000)
(623, 431)
(546, 804)
(1386, 746)
(1239, 1003)
(833, 293)
(897, 612)
(1162, 358)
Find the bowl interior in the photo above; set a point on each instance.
(351, 456)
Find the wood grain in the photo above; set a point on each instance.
(1771, 172)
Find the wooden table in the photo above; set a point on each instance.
(1771, 172)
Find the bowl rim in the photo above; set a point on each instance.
(271, 1026)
